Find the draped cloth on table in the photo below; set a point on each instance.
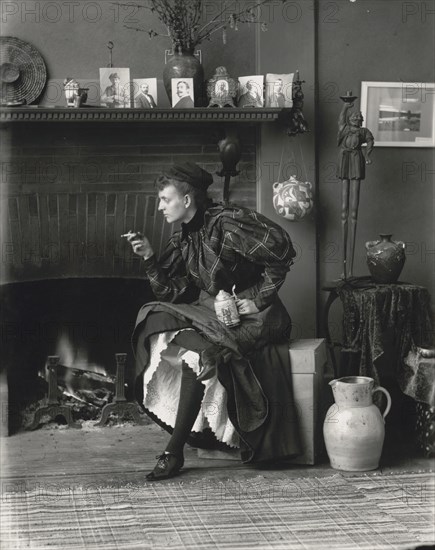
(257, 380)
(373, 310)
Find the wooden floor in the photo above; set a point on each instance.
(124, 453)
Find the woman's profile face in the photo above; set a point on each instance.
(173, 204)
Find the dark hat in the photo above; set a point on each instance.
(190, 173)
(113, 75)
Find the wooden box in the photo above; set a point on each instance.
(311, 393)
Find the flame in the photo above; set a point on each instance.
(71, 393)
(76, 359)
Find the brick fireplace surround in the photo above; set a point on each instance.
(70, 190)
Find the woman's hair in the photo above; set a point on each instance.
(199, 196)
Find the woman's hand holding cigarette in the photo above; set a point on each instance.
(140, 244)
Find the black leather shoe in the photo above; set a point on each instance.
(210, 358)
(168, 465)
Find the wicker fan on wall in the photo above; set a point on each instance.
(23, 73)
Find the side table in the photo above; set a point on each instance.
(370, 310)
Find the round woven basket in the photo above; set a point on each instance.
(23, 73)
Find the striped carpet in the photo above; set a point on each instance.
(372, 511)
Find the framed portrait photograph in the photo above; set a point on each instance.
(145, 93)
(182, 93)
(279, 90)
(221, 89)
(399, 114)
(115, 87)
(251, 91)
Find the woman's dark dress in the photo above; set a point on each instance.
(218, 248)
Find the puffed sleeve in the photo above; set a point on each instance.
(262, 242)
(167, 275)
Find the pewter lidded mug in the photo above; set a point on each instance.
(354, 427)
(226, 309)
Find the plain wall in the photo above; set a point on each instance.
(289, 46)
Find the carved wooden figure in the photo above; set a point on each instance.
(351, 170)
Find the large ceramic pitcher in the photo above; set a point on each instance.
(354, 427)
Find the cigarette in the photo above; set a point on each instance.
(135, 234)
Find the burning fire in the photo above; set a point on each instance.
(76, 359)
(80, 378)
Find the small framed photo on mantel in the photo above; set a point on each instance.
(182, 93)
(221, 89)
(115, 87)
(145, 93)
(250, 93)
(279, 90)
(399, 114)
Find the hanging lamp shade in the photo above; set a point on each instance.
(23, 73)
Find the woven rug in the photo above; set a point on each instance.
(372, 511)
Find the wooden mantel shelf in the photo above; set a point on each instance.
(95, 114)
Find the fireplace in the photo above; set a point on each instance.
(68, 192)
(83, 321)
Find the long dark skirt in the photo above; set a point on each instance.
(257, 379)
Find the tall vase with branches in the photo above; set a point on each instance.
(187, 27)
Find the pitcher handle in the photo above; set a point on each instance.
(388, 396)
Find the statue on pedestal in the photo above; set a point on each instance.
(351, 170)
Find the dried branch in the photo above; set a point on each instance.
(182, 20)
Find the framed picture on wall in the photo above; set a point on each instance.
(399, 114)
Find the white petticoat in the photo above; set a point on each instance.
(162, 380)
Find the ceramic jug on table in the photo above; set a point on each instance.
(385, 258)
(354, 428)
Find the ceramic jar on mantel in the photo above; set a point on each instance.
(385, 259)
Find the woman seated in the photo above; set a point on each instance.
(207, 383)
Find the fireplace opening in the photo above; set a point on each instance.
(84, 321)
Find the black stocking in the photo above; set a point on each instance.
(191, 394)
